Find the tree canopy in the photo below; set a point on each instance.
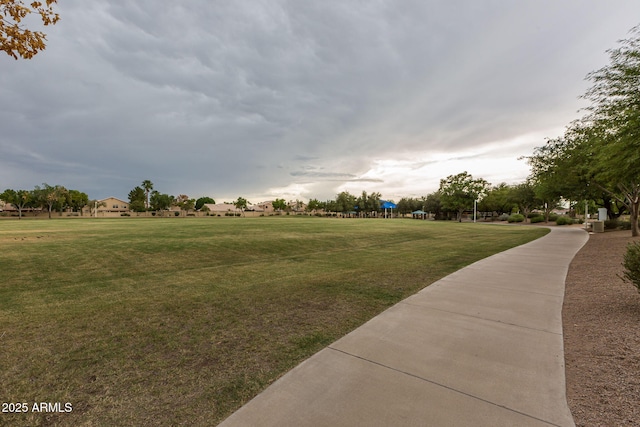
(601, 151)
(458, 192)
(200, 202)
(15, 39)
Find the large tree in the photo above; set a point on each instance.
(51, 197)
(367, 204)
(18, 198)
(601, 151)
(524, 197)
(345, 202)
(202, 201)
(433, 205)
(78, 200)
(15, 39)
(279, 205)
(613, 125)
(137, 200)
(160, 201)
(498, 199)
(458, 192)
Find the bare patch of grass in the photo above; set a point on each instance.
(179, 322)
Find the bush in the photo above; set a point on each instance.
(611, 224)
(503, 217)
(537, 218)
(625, 225)
(564, 220)
(632, 265)
(553, 217)
(516, 218)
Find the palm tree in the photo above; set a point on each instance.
(148, 186)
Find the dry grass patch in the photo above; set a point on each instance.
(180, 321)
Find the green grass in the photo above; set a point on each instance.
(180, 321)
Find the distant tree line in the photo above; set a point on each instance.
(49, 198)
(144, 198)
(456, 194)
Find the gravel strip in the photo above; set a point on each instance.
(601, 318)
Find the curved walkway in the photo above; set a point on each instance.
(480, 347)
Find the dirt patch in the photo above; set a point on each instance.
(601, 318)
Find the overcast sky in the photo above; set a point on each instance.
(298, 99)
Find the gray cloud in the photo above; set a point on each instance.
(251, 98)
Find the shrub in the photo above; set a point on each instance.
(537, 218)
(632, 265)
(553, 217)
(611, 224)
(503, 217)
(516, 218)
(564, 220)
(625, 225)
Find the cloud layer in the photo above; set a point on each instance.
(266, 99)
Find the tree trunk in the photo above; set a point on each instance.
(635, 206)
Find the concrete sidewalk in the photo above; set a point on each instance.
(480, 347)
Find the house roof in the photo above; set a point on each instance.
(113, 198)
(220, 207)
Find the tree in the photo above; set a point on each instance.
(15, 40)
(498, 199)
(296, 205)
(404, 206)
(148, 186)
(279, 205)
(407, 205)
(345, 202)
(137, 200)
(95, 204)
(185, 203)
(314, 205)
(331, 206)
(202, 201)
(524, 197)
(601, 151)
(433, 204)
(20, 199)
(160, 202)
(458, 192)
(613, 122)
(78, 200)
(241, 203)
(51, 196)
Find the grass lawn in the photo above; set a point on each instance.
(179, 321)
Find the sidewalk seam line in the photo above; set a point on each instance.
(443, 386)
(481, 318)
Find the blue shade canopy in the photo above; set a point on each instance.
(387, 205)
(420, 212)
